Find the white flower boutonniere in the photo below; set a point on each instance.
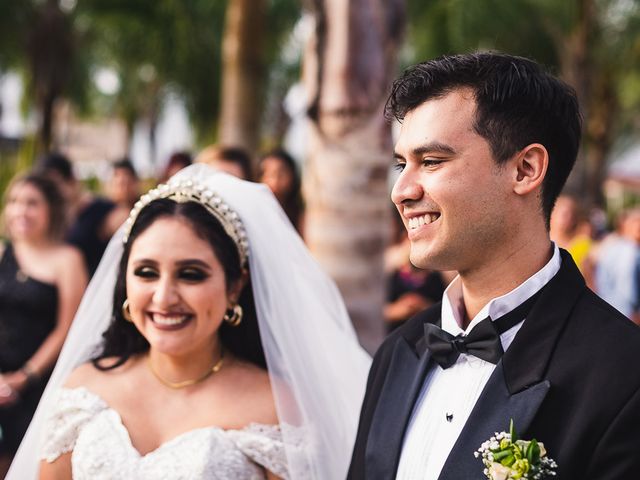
(506, 457)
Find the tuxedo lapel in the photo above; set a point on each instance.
(405, 376)
(492, 413)
(528, 357)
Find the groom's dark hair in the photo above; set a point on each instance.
(517, 104)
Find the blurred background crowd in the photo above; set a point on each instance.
(102, 99)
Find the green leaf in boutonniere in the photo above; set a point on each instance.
(512, 431)
(533, 452)
(506, 457)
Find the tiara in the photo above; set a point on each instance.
(190, 191)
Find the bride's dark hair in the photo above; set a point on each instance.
(122, 340)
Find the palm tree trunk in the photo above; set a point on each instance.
(349, 65)
(600, 130)
(577, 71)
(243, 73)
(50, 48)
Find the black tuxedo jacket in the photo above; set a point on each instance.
(570, 379)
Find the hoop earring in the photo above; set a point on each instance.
(233, 316)
(126, 312)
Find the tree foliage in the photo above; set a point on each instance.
(152, 45)
(593, 44)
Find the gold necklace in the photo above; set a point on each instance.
(187, 383)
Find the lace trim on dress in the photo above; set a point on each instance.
(263, 444)
(73, 409)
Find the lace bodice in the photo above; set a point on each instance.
(102, 450)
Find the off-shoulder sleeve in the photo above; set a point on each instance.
(73, 408)
(264, 445)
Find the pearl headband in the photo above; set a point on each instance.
(190, 191)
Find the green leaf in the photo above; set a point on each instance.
(533, 452)
(512, 431)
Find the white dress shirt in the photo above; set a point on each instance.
(448, 396)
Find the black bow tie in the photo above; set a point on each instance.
(483, 340)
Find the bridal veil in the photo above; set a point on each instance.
(318, 371)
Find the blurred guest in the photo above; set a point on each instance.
(617, 269)
(41, 283)
(397, 252)
(278, 171)
(90, 227)
(410, 290)
(232, 160)
(123, 187)
(571, 230)
(599, 223)
(177, 161)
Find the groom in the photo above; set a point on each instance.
(486, 144)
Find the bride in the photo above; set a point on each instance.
(209, 344)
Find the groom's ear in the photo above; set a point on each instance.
(530, 167)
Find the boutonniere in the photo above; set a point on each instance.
(506, 457)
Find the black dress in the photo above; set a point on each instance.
(28, 312)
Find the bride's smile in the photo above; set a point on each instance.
(170, 321)
(176, 288)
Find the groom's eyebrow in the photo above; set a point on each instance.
(433, 147)
(428, 148)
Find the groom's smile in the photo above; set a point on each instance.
(420, 224)
(419, 220)
(451, 194)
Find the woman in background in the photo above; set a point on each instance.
(279, 172)
(570, 229)
(41, 283)
(177, 161)
(233, 160)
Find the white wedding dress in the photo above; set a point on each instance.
(318, 371)
(102, 450)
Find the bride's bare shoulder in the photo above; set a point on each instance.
(99, 374)
(252, 389)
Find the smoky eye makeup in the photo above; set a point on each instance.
(190, 271)
(145, 271)
(193, 274)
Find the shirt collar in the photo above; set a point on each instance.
(453, 306)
